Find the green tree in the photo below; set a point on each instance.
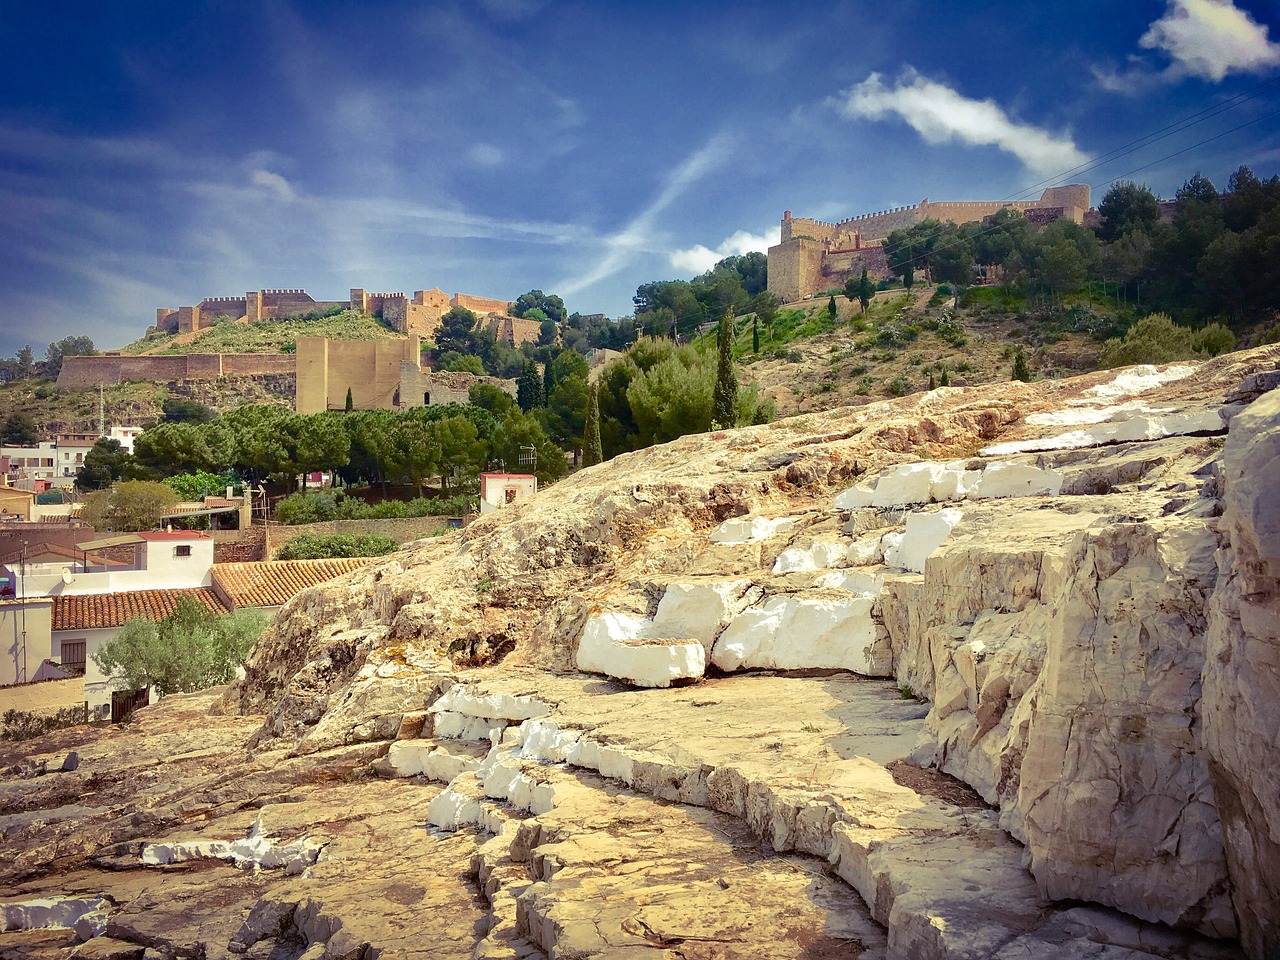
(415, 452)
(106, 462)
(755, 334)
(566, 414)
(529, 388)
(348, 405)
(550, 306)
(592, 453)
(831, 308)
(908, 275)
(724, 411)
(26, 361)
(129, 506)
(766, 306)
(454, 332)
(494, 399)
(200, 484)
(460, 448)
(1127, 206)
(316, 441)
(190, 649)
(462, 363)
(1157, 339)
(66, 347)
(169, 448)
(862, 290)
(185, 410)
(19, 430)
(1021, 369)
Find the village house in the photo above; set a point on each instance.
(498, 490)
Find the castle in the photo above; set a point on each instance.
(420, 315)
(813, 255)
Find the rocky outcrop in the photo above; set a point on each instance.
(917, 680)
(1241, 689)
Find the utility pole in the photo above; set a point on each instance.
(102, 413)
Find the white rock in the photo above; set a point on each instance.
(657, 663)
(450, 725)
(865, 551)
(925, 532)
(697, 611)
(907, 484)
(544, 740)
(818, 556)
(461, 698)
(1138, 379)
(953, 483)
(855, 581)
(856, 497)
(1128, 430)
(790, 633)
(85, 915)
(1016, 480)
(750, 529)
(255, 851)
(602, 634)
(452, 808)
(1083, 416)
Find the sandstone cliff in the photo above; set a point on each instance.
(984, 672)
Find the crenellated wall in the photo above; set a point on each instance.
(843, 247)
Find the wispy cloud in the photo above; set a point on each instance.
(485, 155)
(636, 236)
(942, 115)
(1208, 39)
(700, 258)
(273, 183)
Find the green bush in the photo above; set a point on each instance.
(899, 386)
(18, 725)
(1157, 339)
(320, 506)
(336, 545)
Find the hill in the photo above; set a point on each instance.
(264, 336)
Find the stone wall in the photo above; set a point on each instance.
(44, 697)
(793, 274)
(481, 304)
(512, 331)
(370, 369)
(84, 373)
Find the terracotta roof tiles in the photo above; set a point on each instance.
(96, 611)
(273, 583)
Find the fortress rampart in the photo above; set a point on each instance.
(815, 255)
(421, 315)
(84, 373)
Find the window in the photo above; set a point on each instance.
(182, 550)
(510, 495)
(73, 655)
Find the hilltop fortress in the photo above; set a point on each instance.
(814, 255)
(421, 315)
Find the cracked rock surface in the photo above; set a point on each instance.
(962, 689)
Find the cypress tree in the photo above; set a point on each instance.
(592, 452)
(348, 406)
(723, 411)
(831, 308)
(1021, 369)
(529, 387)
(946, 379)
(755, 334)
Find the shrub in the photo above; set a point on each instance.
(26, 726)
(1157, 339)
(323, 505)
(899, 386)
(336, 545)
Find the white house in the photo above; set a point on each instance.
(126, 436)
(80, 624)
(162, 560)
(27, 464)
(497, 490)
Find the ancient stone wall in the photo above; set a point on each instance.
(84, 373)
(213, 307)
(794, 268)
(512, 331)
(481, 304)
(433, 387)
(370, 369)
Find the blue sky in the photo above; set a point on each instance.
(155, 153)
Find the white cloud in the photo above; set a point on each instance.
(942, 115)
(1202, 38)
(485, 155)
(700, 259)
(1210, 39)
(636, 236)
(272, 182)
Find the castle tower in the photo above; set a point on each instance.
(253, 306)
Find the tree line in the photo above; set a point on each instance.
(23, 365)
(1212, 260)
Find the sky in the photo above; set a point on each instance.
(155, 153)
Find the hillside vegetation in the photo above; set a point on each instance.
(229, 335)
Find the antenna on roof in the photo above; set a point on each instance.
(529, 459)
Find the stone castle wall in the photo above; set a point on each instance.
(85, 373)
(481, 304)
(839, 249)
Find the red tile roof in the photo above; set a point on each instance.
(96, 611)
(273, 583)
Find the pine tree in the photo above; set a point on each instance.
(725, 403)
(349, 405)
(592, 452)
(1021, 369)
(529, 388)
